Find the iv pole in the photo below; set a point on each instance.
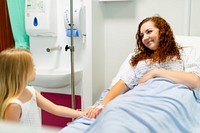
(71, 47)
(72, 56)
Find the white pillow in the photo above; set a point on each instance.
(191, 41)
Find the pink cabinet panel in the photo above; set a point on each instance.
(61, 99)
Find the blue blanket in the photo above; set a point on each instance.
(158, 105)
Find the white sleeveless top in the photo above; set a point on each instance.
(30, 111)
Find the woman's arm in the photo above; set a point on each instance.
(186, 78)
(58, 110)
(119, 88)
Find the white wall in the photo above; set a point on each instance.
(98, 49)
(120, 21)
(195, 19)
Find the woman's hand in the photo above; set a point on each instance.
(94, 111)
(186, 78)
(148, 75)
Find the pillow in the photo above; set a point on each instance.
(191, 41)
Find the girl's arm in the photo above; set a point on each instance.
(13, 112)
(186, 78)
(119, 88)
(58, 110)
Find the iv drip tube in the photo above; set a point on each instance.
(72, 57)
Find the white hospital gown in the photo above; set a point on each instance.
(190, 63)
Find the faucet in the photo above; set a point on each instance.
(54, 48)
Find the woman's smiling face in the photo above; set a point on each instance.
(150, 35)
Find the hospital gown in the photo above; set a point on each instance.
(133, 74)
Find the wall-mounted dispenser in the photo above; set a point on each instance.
(79, 25)
(41, 17)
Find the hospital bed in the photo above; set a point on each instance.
(175, 109)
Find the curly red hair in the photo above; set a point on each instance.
(167, 50)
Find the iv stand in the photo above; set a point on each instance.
(71, 47)
(72, 56)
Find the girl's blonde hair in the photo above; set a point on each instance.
(15, 65)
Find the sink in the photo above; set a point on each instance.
(55, 78)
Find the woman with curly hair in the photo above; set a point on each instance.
(157, 55)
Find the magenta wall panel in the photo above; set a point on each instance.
(61, 99)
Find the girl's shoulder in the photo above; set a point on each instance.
(13, 111)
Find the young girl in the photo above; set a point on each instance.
(19, 102)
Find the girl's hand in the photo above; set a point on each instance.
(80, 113)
